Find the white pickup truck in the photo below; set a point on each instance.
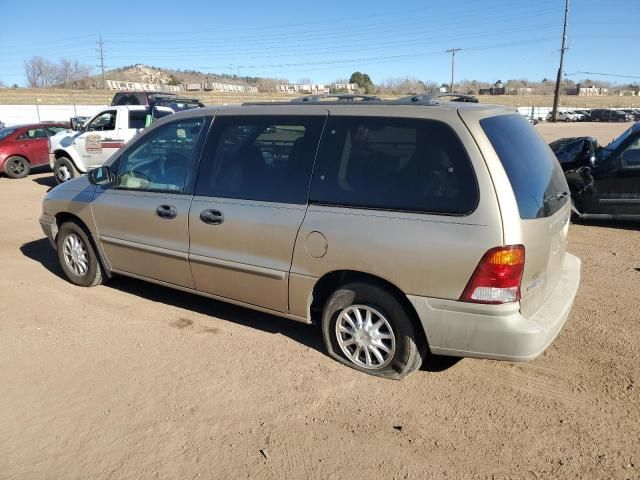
(74, 152)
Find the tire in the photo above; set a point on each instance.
(17, 167)
(64, 170)
(402, 355)
(77, 256)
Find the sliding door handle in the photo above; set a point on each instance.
(212, 217)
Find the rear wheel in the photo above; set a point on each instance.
(17, 167)
(77, 256)
(367, 328)
(64, 170)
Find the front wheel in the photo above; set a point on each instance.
(64, 170)
(16, 167)
(368, 329)
(77, 256)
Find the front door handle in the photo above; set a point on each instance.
(212, 217)
(166, 211)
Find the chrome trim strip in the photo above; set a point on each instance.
(145, 248)
(624, 201)
(238, 267)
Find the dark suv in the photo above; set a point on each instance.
(604, 181)
(606, 115)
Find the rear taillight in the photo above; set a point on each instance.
(497, 277)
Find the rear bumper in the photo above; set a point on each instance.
(498, 331)
(50, 228)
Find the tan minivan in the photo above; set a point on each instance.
(402, 227)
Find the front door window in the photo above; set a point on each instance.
(162, 159)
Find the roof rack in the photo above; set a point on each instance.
(339, 97)
(432, 99)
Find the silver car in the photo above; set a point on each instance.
(402, 228)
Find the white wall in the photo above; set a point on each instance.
(17, 114)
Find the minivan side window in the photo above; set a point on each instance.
(394, 164)
(533, 170)
(161, 160)
(265, 159)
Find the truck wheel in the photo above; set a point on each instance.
(16, 167)
(64, 170)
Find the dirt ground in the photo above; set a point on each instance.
(135, 381)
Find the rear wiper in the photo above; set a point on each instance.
(556, 196)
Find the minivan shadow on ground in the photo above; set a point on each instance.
(308, 335)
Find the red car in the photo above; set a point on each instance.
(25, 146)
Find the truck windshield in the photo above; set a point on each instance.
(618, 141)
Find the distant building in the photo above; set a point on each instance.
(145, 87)
(344, 87)
(626, 93)
(316, 89)
(590, 90)
(492, 91)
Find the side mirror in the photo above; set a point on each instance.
(100, 176)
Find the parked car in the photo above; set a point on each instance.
(633, 112)
(607, 115)
(604, 181)
(586, 114)
(400, 227)
(156, 99)
(562, 117)
(23, 147)
(576, 116)
(71, 152)
(75, 153)
(137, 98)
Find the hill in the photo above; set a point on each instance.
(151, 74)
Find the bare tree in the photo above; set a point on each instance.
(71, 73)
(40, 72)
(270, 84)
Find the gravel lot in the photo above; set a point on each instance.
(134, 381)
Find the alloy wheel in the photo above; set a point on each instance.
(365, 336)
(75, 255)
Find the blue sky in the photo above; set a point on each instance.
(324, 41)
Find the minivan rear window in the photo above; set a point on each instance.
(533, 170)
(394, 164)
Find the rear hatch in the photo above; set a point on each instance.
(542, 196)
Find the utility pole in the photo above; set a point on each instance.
(101, 58)
(556, 96)
(453, 51)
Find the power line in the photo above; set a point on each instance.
(635, 77)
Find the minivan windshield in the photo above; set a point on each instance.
(533, 170)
